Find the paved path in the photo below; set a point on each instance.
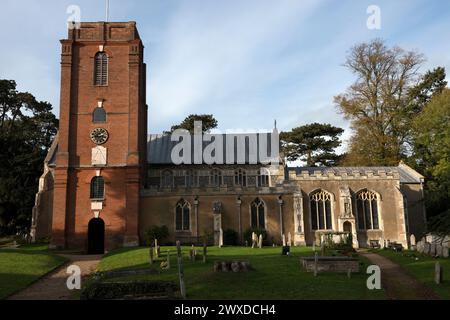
(398, 284)
(53, 285)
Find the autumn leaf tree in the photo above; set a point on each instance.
(378, 102)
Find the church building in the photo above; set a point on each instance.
(106, 180)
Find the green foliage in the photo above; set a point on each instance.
(230, 237)
(432, 144)
(314, 144)
(156, 232)
(27, 129)
(258, 231)
(208, 123)
(279, 275)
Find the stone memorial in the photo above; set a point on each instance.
(445, 252)
(289, 243)
(426, 248)
(432, 249)
(439, 250)
(412, 242)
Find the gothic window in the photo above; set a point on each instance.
(367, 208)
(182, 216)
(191, 178)
(320, 204)
(240, 178)
(101, 69)
(99, 115)
(263, 177)
(258, 218)
(167, 179)
(215, 178)
(97, 188)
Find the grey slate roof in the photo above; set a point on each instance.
(406, 174)
(159, 148)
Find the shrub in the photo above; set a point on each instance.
(230, 237)
(258, 231)
(156, 232)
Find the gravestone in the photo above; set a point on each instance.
(204, 252)
(419, 246)
(156, 248)
(289, 240)
(220, 238)
(181, 271)
(168, 259)
(260, 241)
(432, 249)
(445, 251)
(412, 242)
(151, 255)
(284, 240)
(438, 273)
(192, 253)
(439, 250)
(426, 248)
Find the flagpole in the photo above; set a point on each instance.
(107, 10)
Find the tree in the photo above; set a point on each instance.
(27, 128)
(314, 144)
(208, 123)
(377, 102)
(431, 133)
(432, 84)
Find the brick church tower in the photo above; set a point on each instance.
(101, 152)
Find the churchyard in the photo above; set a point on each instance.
(422, 267)
(271, 275)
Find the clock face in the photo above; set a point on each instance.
(99, 136)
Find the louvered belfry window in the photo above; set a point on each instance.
(101, 69)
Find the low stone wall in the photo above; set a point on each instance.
(330, 264)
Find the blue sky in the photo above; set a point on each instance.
(248, 62)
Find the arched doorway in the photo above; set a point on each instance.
(96, 236)
(347, 227)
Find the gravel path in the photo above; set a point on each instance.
(53, 285)
(396, 281)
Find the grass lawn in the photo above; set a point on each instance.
(21, 267)
(275, 276)
(422, 269)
